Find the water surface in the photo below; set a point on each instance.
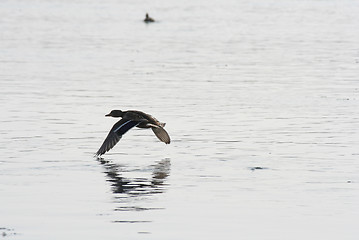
(260, 100)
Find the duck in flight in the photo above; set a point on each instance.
(130, 119)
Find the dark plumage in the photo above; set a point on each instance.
(148, 19)
(130, 119)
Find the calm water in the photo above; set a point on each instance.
(260, 99)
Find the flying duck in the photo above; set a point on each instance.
(148, 19)
(130, 119)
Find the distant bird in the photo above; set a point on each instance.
(148, 19)
(130, 119)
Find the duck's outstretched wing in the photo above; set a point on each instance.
(161, 134)
(120, 128)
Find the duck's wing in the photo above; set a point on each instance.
(161, 134)
(134, 114)
(115, 134)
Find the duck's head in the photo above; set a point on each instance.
(115, 113)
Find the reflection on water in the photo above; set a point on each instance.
(6, 232)
(127, 187)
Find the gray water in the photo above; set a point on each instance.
(260, 100)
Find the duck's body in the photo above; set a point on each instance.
(148, 19)
(130, 119)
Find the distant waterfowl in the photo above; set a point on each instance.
(148, 19)
(130, 119)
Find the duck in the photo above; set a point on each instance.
(130, 119)
(148, 19)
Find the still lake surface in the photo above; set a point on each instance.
(260, 100)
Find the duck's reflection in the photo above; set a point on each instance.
(136, 186)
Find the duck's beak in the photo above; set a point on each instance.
(108, 115)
